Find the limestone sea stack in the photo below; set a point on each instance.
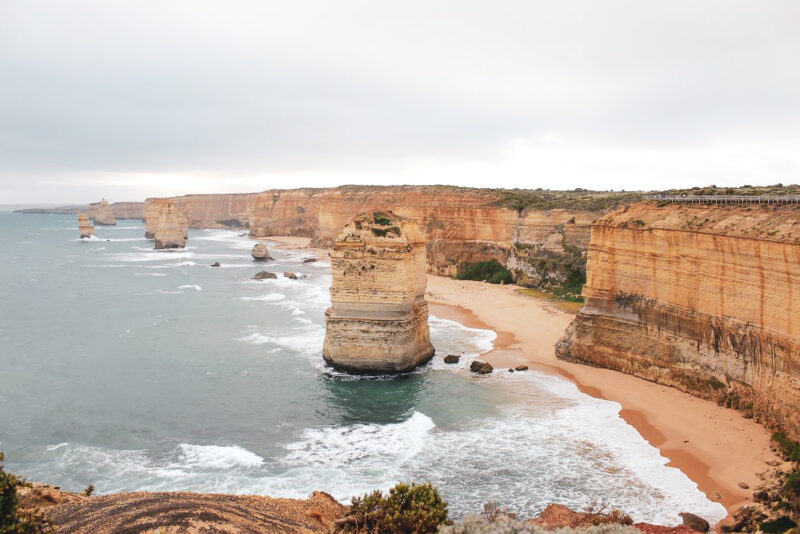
(85, 226)
(378, 319)
(104, 214)
(260, 252)
(170, 229)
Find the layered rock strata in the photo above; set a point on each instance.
(170, 229)
(104, 215)
(462, 226)
(703, 298)
(378, 319)
(85, 226)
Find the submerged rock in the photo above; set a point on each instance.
(482, 368)
(452, 358)
(216, 264)
(260, 252)
(104, 215)
(265, 275)
(378, 319)
(85, 226)
(290, 275)
(310, 260)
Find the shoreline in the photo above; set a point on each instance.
(716, 447)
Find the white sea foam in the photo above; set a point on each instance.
(150, 255)
(216, 457)
(269, 297)
(191, 286)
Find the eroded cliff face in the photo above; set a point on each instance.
(120, 210)
(104, 215)
(703, 298)
(378, 319)
(213, 211)
(461, 226)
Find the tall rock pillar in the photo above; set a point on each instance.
(378, 319)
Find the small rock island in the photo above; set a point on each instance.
(85, 225)
(378, 319)
(170, 228)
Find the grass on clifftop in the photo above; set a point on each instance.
(745, 190)
(575, 200)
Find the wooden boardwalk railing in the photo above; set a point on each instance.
(727, 199)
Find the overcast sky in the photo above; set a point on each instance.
(144, 98)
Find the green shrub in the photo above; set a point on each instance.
(777, 526)
(491, 271)
(12, 519)
(415, 508)
(789, 447)
(381, 218)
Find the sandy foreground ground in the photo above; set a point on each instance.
(715, 446)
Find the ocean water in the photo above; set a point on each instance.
(135, 369)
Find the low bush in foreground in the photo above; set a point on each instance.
(407, 509)
(12, 519)
(491, 271)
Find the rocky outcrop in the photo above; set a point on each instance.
(85, 226)
(260, 252)
(169, 227)
(182, 512)
(121, 210)
(104, 215)
(539, 246)
(378, 319)
(703, 298)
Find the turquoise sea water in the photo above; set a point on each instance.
(135, 369)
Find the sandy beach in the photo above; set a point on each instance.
(715, 446)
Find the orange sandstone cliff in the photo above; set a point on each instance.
(120, 210)
(461, 225)
(703, 298)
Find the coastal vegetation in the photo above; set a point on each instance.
(576, 199)
(490, 271)
(407, 509)
(13, 519)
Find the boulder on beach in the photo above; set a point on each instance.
(289, 274)
(482, 368)
(521, 368)
(452, 358)
(260, 252)
(695, 522)
(265, 275)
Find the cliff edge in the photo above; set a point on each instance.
(700, 297)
